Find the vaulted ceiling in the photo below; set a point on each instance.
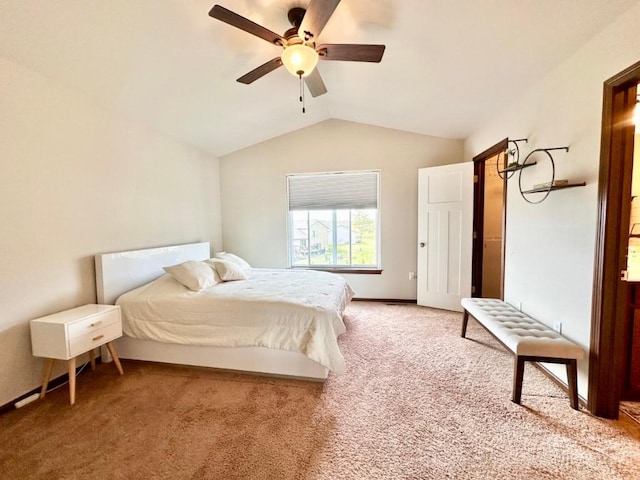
(448, 66)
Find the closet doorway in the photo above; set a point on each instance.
(489, 222)
(493, 229)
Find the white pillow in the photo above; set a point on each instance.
(193, 275)
(230, 257)
(227, 271)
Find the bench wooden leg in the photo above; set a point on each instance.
(465, 321)
(572, 381)
(518, 373)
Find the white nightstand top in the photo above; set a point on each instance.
(77, 313)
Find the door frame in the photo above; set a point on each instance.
(478, 216)
(610, 323)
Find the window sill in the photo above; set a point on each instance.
(344, 270)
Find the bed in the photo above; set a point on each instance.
(278, 322)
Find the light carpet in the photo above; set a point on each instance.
(416, 402)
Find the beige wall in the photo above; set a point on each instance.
(550, 246)
(76, 180)
(254, 201)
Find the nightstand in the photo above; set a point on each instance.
(65, 335)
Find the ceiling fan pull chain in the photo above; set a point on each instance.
(301, 92)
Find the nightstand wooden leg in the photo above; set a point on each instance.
(92, 359)
(72, 380)
(116, 360)
(46, 375)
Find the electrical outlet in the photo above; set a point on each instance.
(557, 326)
(520, 306)
(412, 275)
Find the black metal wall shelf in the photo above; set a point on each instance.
(546, 190)
(554, 187)
(508, 172)
(515, 168)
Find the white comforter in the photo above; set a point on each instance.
(296, 310)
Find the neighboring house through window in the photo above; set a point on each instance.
(333, 220)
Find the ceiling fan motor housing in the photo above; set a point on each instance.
(295, 16)
(292, 36)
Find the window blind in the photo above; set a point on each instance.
(333, 191)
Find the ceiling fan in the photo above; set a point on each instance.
(300, 54)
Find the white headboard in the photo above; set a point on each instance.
(119, 272)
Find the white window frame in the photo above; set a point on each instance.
(334, 266)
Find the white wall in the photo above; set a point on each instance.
(254, 202)
(550, 246)
(76, 180)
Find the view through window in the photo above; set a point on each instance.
(333, 220)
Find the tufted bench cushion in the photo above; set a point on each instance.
(518, 332)
(526, 338)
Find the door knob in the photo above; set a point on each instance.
(421, 244)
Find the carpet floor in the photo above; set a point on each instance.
(416, 402)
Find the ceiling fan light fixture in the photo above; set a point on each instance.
(299, 59)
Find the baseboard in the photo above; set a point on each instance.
(55, 383)
(384, 300)
(551, 376)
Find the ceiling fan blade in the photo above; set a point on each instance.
(315, 84)
(316, 17)
(261, 71)
(351, 52)
(238, 21)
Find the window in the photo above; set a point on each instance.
(333, 220)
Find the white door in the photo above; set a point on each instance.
(445, 235)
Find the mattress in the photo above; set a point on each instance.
(295, 310)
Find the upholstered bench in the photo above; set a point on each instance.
(527, 339)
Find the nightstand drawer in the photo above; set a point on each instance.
(94, 338)
(88, 325)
